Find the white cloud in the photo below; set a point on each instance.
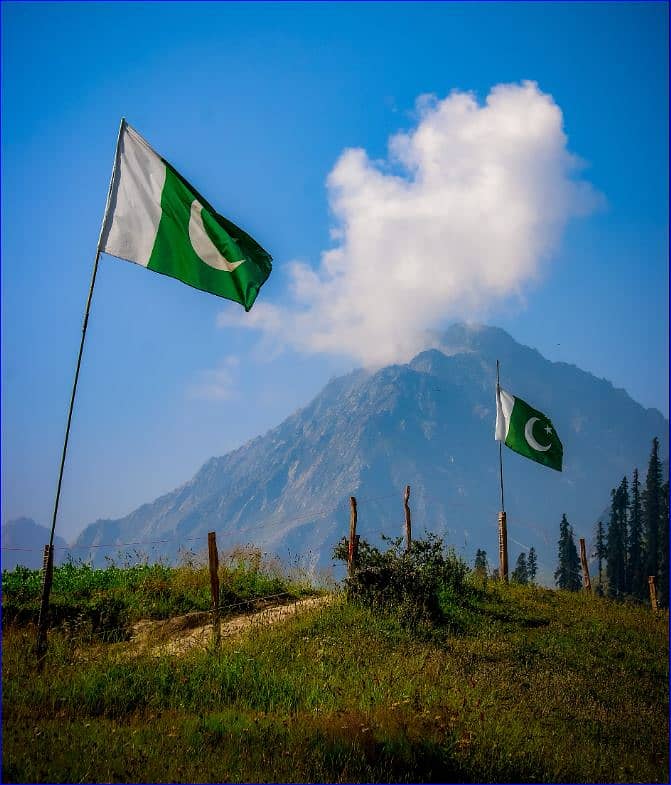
(465, 211)
(216, 384)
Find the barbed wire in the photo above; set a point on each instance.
(252, 600)
(106, 545)
(266, 522)
(308, 516)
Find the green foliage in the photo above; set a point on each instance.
(532, 565)
(637, 583)
(548, 687)
(600, 553)
(418, 584)
(521, 572)
(616, 543)
(106, 602)
(480, 565)
(245, 575)
(652, 509)
(636, 544)
(567, 574)
(664, 545)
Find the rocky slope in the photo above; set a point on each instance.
(430, 424)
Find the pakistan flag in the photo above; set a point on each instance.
(527, 431)
(156, 219)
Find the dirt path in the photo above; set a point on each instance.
(194, 630)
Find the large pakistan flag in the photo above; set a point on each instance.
(428, 424)
(156, 219)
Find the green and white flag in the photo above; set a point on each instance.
(527, 431)
(156, 219)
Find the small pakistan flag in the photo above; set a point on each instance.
(527, 431)
(156, 219)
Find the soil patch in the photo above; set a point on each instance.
(194, 630)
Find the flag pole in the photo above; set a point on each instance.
(503, 530)
(498, 391)
(41, 645)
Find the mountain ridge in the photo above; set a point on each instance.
(427, 423)
(23, 542)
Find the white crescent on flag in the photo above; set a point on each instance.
(203, 246)
(529, 436)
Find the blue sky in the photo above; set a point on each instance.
(255, 104)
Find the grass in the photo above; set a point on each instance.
(520, 684)
(106, 602)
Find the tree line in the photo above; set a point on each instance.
(525, 570)
(635, 542)
(632, 545)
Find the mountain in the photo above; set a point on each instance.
(29, 539)
(429, 424)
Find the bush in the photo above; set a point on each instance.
(415, 583)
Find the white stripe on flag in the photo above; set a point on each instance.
(504, 407)
(134, 212)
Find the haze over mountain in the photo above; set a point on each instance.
(23, 542)
(429, 424)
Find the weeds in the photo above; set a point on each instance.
(536, 686)
(106, 602)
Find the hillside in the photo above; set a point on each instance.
(523, 685)
(429, 424)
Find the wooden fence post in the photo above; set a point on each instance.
(43, 619)
(503, 547)
(353, 537)
(586, 583)
(213, 559)
(408, 523)
(653, 592)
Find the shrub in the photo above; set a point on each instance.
(415, 583)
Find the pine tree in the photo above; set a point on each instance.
(637, 581)
(567, 574)
(664, 546)
(616, 546)
(532, 565)
(624, 526)
(480, 565)
(520, 573)
(600, 553)
(652, 511)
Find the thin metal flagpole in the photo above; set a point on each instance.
(498, 394)
(41, 645)
(503, 529)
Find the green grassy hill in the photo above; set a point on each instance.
(518, 684)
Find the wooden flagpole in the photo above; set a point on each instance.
(41, 645)
(586, 582)
(408, 519)
(503, 531)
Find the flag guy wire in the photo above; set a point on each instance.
(503, 532)
(41, 645)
